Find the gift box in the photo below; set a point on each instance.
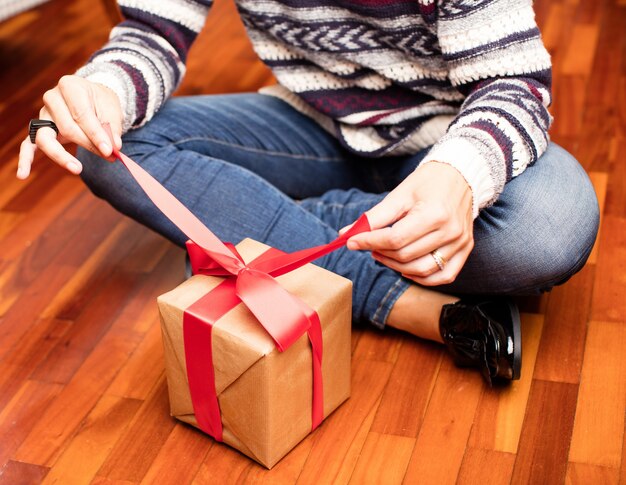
(257, 345)
(264, 394)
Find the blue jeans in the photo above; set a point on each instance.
(249, 165)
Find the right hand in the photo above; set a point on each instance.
(78, 107)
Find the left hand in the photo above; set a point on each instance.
(430, 210)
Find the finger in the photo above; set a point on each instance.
(25, 159)
(345, 229)
(429, 242)
(48, 144)
(395, 204)
(55, 108)
(407, 230)
(446, 276)
(450, 234)
(81, 104)
(421, 267)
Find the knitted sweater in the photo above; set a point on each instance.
(386, 77)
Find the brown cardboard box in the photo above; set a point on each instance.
(264, 395)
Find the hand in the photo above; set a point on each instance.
(430, 210)
(78, 107)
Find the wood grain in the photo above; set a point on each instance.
(599, 425)
(486, 466)
(443, 437)
(384, 458)
(91, 445)
(542, 453)
(583, 474)
(83, 397)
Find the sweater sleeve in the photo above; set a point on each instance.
(495, 55)
(144, 59)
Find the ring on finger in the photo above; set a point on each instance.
(35, 124)
(439, 259)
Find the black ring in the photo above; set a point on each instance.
(35, 124)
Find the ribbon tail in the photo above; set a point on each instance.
(288, 262)
(198, 321)
(317, 350)
(279, 312)
(182, 217)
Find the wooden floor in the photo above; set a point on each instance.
(82, 390)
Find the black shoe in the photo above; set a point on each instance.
(484, 333)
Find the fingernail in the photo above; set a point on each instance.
(353, 245)
(74, 167)
(22, 173)
(105, 148)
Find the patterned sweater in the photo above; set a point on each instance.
(386, 77)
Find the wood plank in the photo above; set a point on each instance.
(59, 422)
(562, 344)
(65, 302)
(384, 459)
(142, 370)
(371, 346)
(17, 473)
(47, 209)
(622, 479)
(583, 474)
(406, 396)
(581, 50)
(135, 451)
(24, 358)
(552, 28)
(569, 99)
(89, 448)
(542, 453)
(599, 425)
(342, 427)
(190, 447)
(608, 302)
(443, 437)
(88, 329)
(354, 451)
(616, 195)
(500, 414)
(599, 181)
(8, 220)
(21, 413)
(486, 466)
(223, 464)
(110, 481)
(24, 312)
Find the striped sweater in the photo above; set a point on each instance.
(386, 77)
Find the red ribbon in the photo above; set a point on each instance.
(284, 316)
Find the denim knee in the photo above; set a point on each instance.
(537, 235)
(564, 224)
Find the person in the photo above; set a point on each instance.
(430, 117)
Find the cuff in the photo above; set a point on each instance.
(467, 159)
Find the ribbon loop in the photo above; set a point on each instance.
(275, 308)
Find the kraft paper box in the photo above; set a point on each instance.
(265, 396)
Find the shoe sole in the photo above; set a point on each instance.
(517, 338)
